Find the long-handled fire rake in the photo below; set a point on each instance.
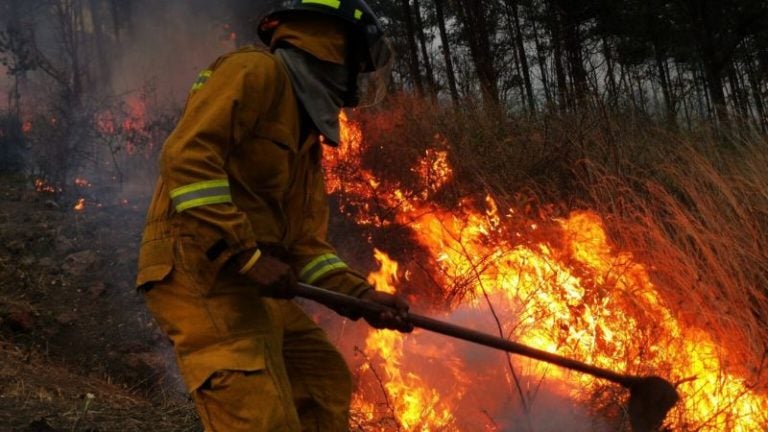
(650, 397)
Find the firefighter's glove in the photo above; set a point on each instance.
(394, 316)
(273, 277)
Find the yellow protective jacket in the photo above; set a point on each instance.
(239, 172)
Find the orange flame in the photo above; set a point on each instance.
(80, 205)
(570, 292)
(386, 277)
(130, 123)
(42, 186)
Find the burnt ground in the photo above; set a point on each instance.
(78, 351)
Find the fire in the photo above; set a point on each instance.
(408, 396)
(135, 123)
(555, 284)
(80, 205)
(386, 277)
(128, 123)
(42, 186)
(83, 183)
(434, 170)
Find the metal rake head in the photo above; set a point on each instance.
(650, 399)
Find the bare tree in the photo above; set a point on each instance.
(445, 47)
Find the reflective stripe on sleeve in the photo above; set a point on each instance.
(200, 194)
(251, 262)
(201, 79)
(319, 267)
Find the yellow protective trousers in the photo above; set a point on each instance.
(251, 363)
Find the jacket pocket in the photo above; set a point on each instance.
(192, 260)
(244, 355)
(155, 261)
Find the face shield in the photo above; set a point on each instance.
(373, 80)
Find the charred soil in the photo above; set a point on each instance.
(78, 350)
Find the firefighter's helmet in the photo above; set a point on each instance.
(369, 47)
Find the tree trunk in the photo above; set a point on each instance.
(14, 95)
(711, 60)
(114, 9)
(740, 99)
(522, 55)
(11, 153)
(638, 80)
(705, 106)
(714, 81)
(424, 52)
(739, 72)
(80, 74)
(754, 83)
(446, 51)
(67, 16)
(97, 18)
(517, 77)
(413, 56)
(608, 55)
(562, 83)
(666, 88)
(572, 45)
(477, 32)
(542, 60)
(683, 92)
(625, 84)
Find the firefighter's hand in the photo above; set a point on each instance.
(394, 317)
(273, 277)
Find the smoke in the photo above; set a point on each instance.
(167, 46)
(547, 407)
(476, 384)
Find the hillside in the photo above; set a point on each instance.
(71, 324)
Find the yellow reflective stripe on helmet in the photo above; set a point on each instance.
(358, 14)
(330, 3)
(201, 79)
(200, 194)
(319, 267)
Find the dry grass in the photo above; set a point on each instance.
(35, 390)
(699, 215)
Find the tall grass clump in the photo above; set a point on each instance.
(694, 207)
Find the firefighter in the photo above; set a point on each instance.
(240, 213)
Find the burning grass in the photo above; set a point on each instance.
(635, 248)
